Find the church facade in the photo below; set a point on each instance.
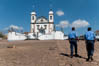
(42, 24)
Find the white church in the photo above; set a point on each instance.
(41, 28)
(42, 24)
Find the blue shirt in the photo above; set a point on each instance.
(90, 35)
(72, 35)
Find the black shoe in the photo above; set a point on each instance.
(76, 55)
(71, 56)
(91, 58)
(87, 59)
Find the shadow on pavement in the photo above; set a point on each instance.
(73, 55)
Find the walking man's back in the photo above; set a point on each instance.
(73, 42)
(90, 40)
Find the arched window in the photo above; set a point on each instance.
(38, 26)
(50, 17)
(32, 17)
(41, 20)
(45, 26)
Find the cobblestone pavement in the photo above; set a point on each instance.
(44, 53)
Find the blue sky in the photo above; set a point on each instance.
(17, 12)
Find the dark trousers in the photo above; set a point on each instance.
(90, 47)
(73, 44)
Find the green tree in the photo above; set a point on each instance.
(1, 35)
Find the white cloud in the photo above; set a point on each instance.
(14, 27)
(63, 24)
(60, 13)
(80, 23)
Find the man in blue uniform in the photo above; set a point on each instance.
(90, 40)
(73, 42)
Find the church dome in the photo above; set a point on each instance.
(33, 12)
(51, 12)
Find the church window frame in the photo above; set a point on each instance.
(51, 17)
(33, 17)
(38, 27)
(45, 26)
(42, 20)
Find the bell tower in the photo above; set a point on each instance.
(33, 21)
(51, 21)
(51, 16)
